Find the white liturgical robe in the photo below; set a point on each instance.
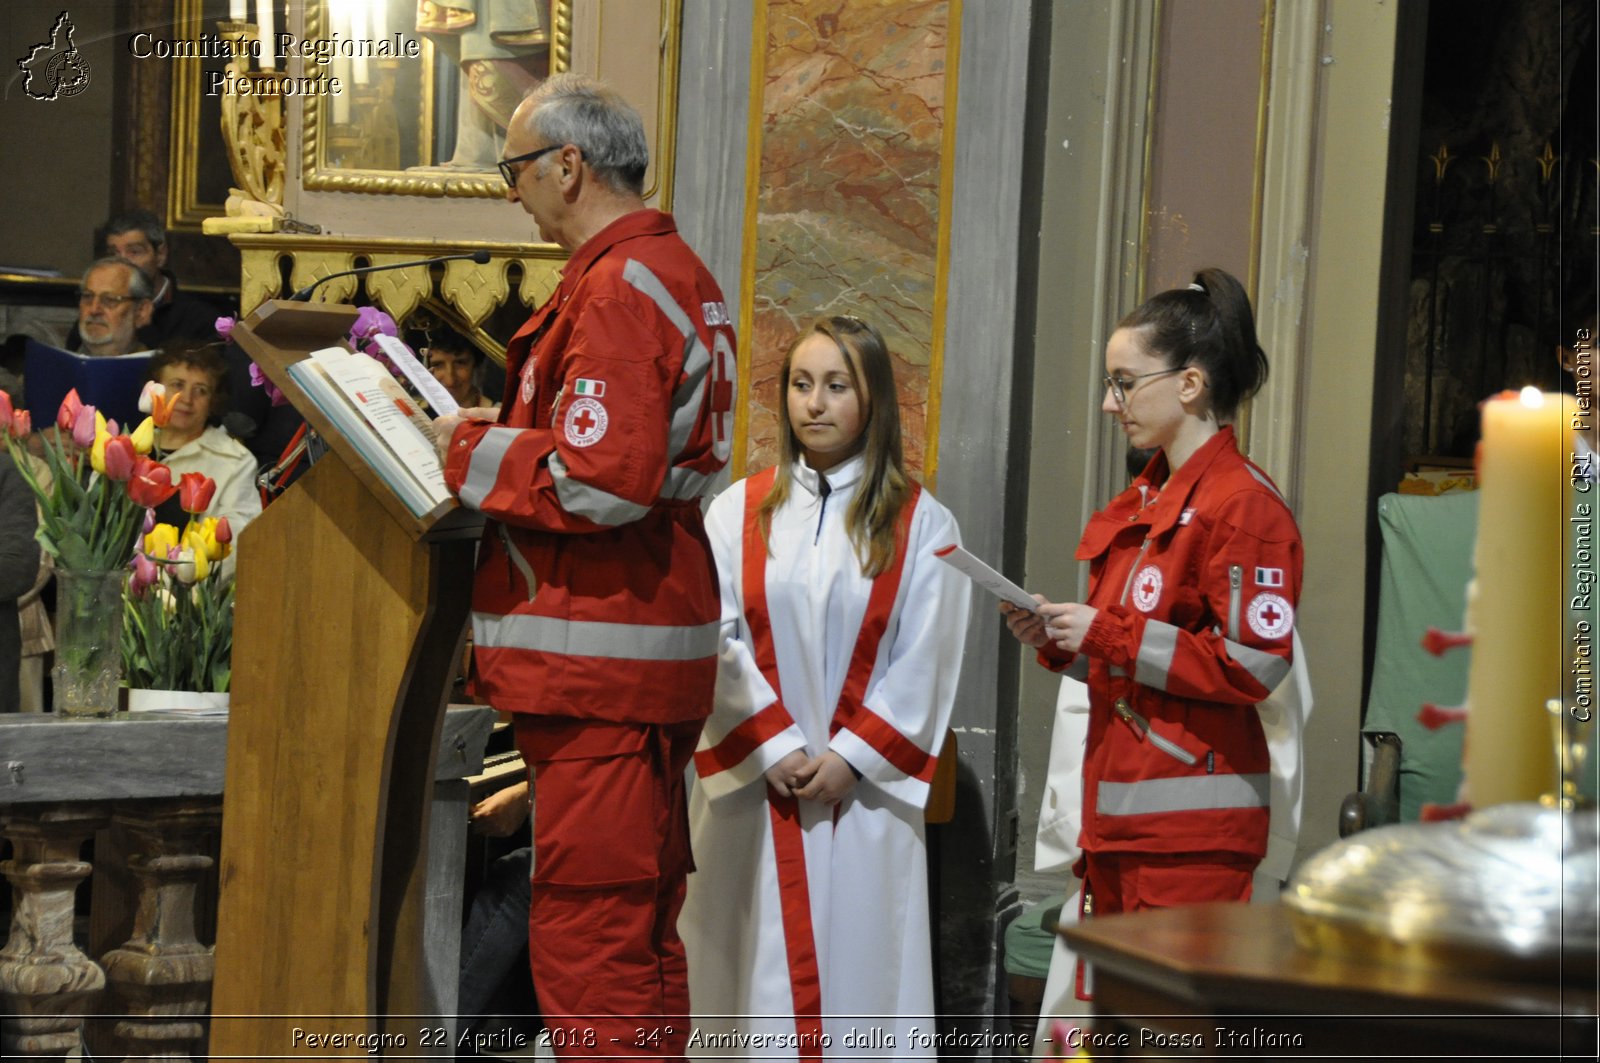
(814, 925)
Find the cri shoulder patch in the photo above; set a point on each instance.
(585, 422)
(1270, 616)
(1147, 588)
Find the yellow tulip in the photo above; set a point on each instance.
(202, 564)
(144, 437)
(159, 539)
(194, 542)
(97, 450)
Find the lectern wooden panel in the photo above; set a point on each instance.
(350, 613)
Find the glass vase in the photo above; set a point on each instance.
(88, 666)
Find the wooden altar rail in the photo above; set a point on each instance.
(148, 789)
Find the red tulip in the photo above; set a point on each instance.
(119, 458)
(6, 409)
(21, 423)
(195, 491)
(224, 531)
(67, 415)
(151, 482)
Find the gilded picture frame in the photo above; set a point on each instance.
(600, 37)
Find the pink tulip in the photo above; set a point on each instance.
(6, 409)
(119, 458)
(83, 426)
(21, 423)
(149, 522)
(224, 327)
(145, 574)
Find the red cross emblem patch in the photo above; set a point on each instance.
(585, 422)
(1147, 588)
(1270, 616)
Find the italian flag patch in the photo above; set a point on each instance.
(592, 388)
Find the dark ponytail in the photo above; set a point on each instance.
(1209, 325)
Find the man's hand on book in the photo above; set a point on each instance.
(445, 427)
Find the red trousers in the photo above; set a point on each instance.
(611, 856)
(1134, 882)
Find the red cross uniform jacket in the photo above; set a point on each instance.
(1195, 577)
(596, 593)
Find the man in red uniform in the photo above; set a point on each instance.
(595, 609)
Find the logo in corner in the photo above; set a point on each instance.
(55, 69)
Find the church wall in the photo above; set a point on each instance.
(59, 154)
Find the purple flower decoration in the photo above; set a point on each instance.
(370, 321)
(224, 327)
(259, 379)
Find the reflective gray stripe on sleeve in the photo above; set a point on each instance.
(596, 638)
(484, 468)
(690, 395)
(1268, 668)
(638, 274)
(1078, 669)
(1195, 793)
(1116, 671)
(591, 503)
(1261, 478)
(684, 483)
(1156, 649)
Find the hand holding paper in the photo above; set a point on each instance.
(965, 563)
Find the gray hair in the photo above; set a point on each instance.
(578, 110)
(138, 284)
(143, 221)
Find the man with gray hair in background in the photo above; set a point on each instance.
(114, 302)
(596, 614)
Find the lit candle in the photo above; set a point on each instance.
(264, 22)
(1516, 616)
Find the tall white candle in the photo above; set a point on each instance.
(341, 99)
(1517, 615)
(358, 33)
(265, 22)
(238, 10)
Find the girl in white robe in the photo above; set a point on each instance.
(806, 923)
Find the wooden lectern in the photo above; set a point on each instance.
(351, 613)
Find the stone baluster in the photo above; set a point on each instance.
(47, 984)
(159, 981)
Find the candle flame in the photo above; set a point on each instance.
(1532, 397)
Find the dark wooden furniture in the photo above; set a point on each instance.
(1229, 980)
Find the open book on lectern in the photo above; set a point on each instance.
(385, 425)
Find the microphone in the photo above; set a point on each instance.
(304, 294)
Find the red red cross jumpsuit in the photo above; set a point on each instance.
(596, 613)
(1196, 578)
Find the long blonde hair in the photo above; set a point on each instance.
(885, 489)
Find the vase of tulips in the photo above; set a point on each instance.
(93, 492)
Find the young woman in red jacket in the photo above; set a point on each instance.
(1194, 582)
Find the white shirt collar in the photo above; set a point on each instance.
(843, 475)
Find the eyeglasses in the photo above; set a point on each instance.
(506, 165)
(1120, 386)
(104, 299)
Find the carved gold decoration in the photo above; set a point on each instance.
(400, 291)
(561, 38)
(252, 128)
(258, 278)
(539, 279)
(184, 208)
(1492, 161)
(466, 293)
(311, 266)
(475, 290)
(1441, 162)
(1547, 162)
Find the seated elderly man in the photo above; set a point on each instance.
(114, 302)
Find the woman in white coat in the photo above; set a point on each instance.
(806, 923)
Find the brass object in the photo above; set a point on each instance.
(1510, 891)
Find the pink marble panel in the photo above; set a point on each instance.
(848, 202)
